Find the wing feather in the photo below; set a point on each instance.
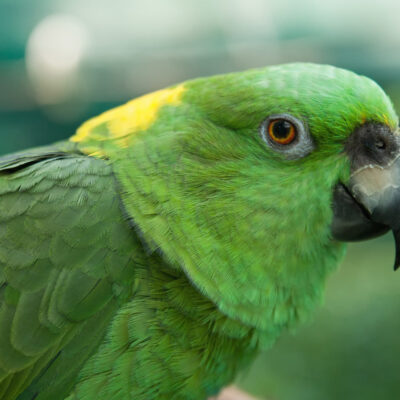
(65, 264)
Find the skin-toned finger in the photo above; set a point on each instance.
(233, 393)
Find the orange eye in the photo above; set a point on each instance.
(282, 131)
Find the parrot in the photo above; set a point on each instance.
(159, 249)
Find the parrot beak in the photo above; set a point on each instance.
(369, 204)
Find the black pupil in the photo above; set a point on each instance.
(281, 129)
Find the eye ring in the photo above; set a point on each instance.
(292, 143)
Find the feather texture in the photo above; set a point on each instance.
(154, 254)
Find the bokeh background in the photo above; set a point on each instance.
(64, 61)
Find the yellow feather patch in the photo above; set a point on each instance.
(386, 119)
(123, 122)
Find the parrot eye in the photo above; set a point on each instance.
(281, 131)
(288, 135)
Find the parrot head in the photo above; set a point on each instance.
(250, 181)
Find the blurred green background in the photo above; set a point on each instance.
(64, 61)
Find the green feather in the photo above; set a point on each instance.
(158, 251)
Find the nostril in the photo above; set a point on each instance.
(380, 144)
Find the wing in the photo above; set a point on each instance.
(66, 265)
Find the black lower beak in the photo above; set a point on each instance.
(351, 221)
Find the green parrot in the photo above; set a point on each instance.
(156, 252)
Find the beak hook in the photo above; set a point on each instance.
(396, 234)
